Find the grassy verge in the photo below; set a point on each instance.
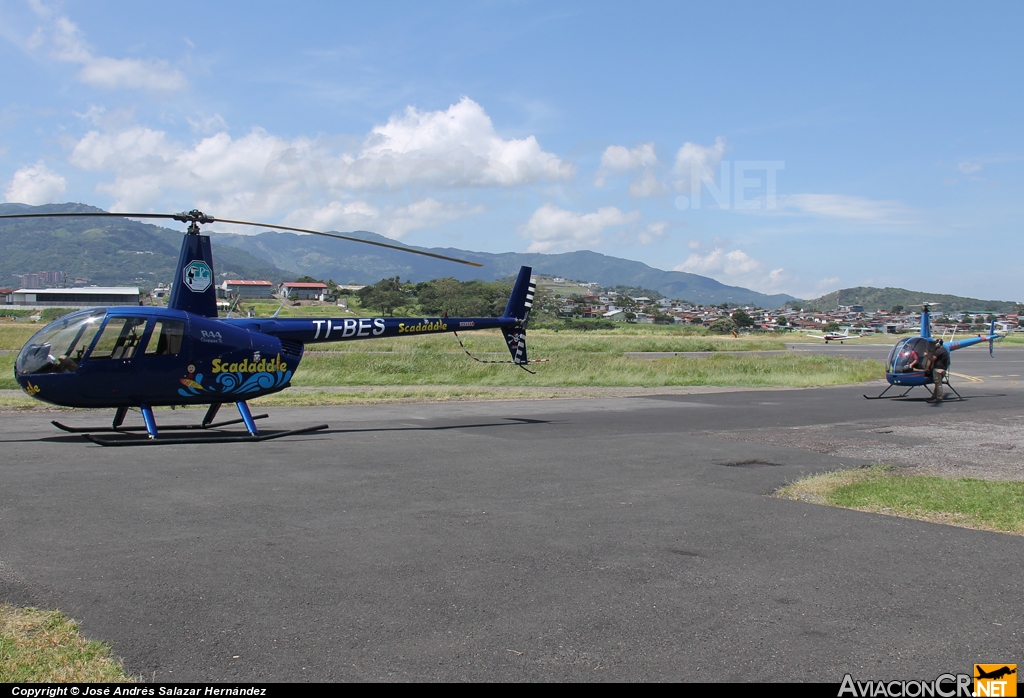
(363, 395)
(577, 359)
(13, 335)
(965, 502)
(7, 381)
(45, 646)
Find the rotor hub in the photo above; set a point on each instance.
(193, 218)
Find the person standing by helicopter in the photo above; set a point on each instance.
(939, 358)
(934, 362)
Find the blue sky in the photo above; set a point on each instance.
(785, 147)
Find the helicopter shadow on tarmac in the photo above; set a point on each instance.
(214, 435)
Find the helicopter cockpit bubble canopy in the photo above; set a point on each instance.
(905, 353)
(60, 346)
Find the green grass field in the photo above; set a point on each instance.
(970, 503)
(576, 359)
(45, 646)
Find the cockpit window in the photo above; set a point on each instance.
(119, 339)
(905, 356)
(166, 338)
(58, 347)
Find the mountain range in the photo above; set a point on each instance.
(119, 251)
(350, 262)
(105, 251)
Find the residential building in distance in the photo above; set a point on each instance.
(304, 291)
(42, 279)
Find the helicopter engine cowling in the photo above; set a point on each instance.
(235, 363)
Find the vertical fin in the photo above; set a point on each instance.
(519, 305)
(515, 338)
(521, 300)
(194, 289)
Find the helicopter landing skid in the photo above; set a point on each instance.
(173, 427)
(129, 436)
(882, 395)
(210, 438)
(907, 391)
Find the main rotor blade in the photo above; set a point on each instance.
(91, 214)
(201, 218)
(352, 239)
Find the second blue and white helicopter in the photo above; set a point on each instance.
(902, 367)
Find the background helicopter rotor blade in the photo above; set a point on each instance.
(199, 217)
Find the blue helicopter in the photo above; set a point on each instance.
(902, 367)
(184, 354)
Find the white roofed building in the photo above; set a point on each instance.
(87, 297)
(238, 288)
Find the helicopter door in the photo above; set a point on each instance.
(164, 359)
(111, 364)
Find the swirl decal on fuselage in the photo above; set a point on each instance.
(237, 378)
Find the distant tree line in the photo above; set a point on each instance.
(437, 297)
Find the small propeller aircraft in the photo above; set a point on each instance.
(836, 337)
(902, 367)
(146, 357)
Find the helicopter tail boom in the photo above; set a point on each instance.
(315, 331)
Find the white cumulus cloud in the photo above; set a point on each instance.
(390, 221)
(35, 185)
(457, 147)
(425, 153)
(216, 171)
(736, 268)
(855, 208)
(64, 42)
(617, 159)
(695, 162)
(552, 229)
(652, 232)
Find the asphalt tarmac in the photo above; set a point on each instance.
(583, 540)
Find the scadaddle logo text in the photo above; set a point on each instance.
(945, 686)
